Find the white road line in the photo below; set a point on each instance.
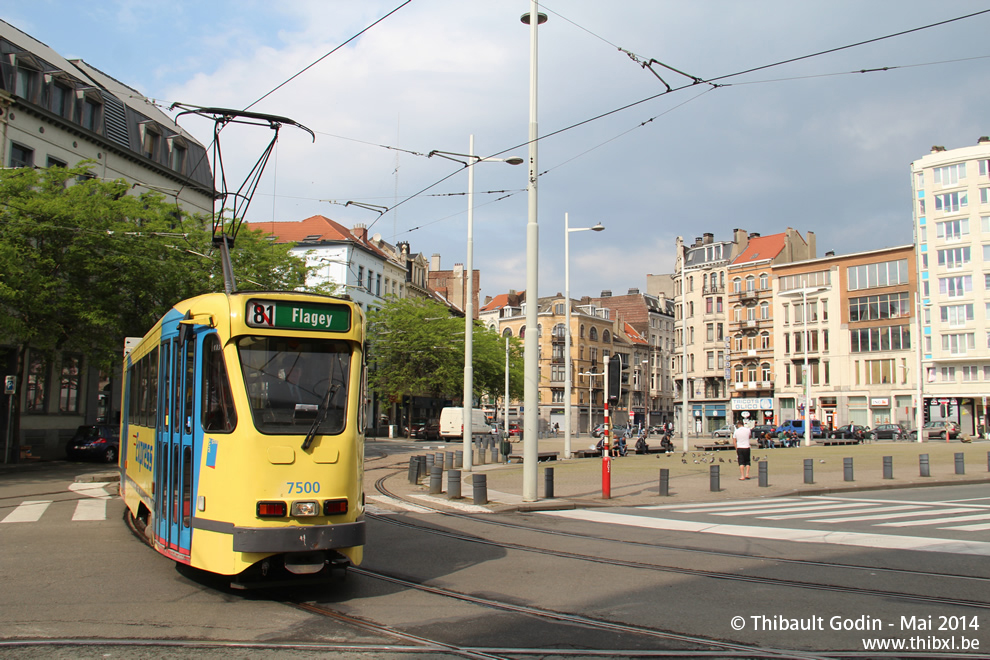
(981, 527)
(880, 501)
(885, 513)
(857, 539)
(705, 505)
(936, 521)
(27, 511)
(405, 506)
(863, 508)
(817, 510)
(90, 490)
(95, 509)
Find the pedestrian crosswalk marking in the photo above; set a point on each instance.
(27, 511)
(886, 514)
(862, 508)
(938, 521)
(90, 510)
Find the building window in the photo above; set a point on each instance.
(887, 273)
(765, 341)
(888, 338)
(952, 230)
(951, 202)
(68, 393)
(954, 258)
(955, 287)
(738, 373)
(60, 101)
(178, 158)
(90, 114)
(764, 310)
(37, 380)
(957, 315)
(959, 344)
(764, 281)
(875, 308)
(765, 368)
(21, 156)
(55, 162)
(950, 175)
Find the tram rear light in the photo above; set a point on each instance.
(334, 507)
(305, 509)
(271, 509)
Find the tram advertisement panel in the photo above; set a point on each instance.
(319, 317)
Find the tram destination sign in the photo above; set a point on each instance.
(287, 315)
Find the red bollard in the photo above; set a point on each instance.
(606, 458)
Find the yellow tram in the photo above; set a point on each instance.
(242, 434)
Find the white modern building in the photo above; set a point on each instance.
(951, 211)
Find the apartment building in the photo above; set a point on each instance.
(843, 338)
(750, 326)
(58, 112)
(651, 317)
(951, 211)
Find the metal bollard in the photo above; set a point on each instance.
(429, 464)
(924, 466)
(713, 479)
(809, 470)
(481, 453)
(960, 463)
(764, 474)
(888, 467)
(421, 470)
(458, 459)
(438, 460)
(480, 484)
(494, 453)
(436, 480)
(413, 469)
(448, 460)
(548, 483)
(454, 484)
(847, 468)
(664, 482)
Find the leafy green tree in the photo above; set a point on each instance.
(84, 263)
(417, 347)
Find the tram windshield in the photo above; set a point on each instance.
(289, 380)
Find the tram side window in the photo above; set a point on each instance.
(218, 401)
(142, 379)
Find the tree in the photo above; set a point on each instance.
(84, 263)
(417, 347)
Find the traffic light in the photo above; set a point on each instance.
(614, 377)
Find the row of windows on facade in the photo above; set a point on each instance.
(38, 389)
(83, 106)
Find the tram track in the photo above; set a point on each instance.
(693, 572)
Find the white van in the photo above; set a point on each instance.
(452, 423)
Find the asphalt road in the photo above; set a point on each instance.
(490, 585)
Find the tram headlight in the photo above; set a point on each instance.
(305, 508)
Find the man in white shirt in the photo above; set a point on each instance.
(740, 440)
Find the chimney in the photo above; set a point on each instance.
(697, 242)
(754, 234)
(983, 138)
(709, 237)
(830, 253)
(435, 262)
(633, 291)
(404, 249)
(360, 231)
(458, 270)
(512, 292)
(606, 293)
(936, 149)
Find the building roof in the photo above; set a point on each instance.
(633, 335)
(762, 248)
(317, 230)
(504, 300)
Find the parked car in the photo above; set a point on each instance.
(515, 431)
(428, 430)
(941, 429)
(94, 442)
(850, 431)
(797, 426)
(888, 432)
(724, 432)
(616, 430)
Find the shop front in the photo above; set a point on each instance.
(752, 411)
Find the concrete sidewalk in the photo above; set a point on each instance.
(635, 478)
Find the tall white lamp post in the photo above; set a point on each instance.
(804, 292)
(567, 330)
(468, 396)
(531, 354)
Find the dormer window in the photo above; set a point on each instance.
(90, 109)
(178, 149)
(151, 138)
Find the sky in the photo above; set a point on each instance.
(813, 144)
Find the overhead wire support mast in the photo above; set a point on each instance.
(224, 236)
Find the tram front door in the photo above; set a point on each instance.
(174, 450)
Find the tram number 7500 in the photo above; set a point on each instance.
(307, 487)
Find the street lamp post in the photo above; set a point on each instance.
(804, 292)
(567, 330)
(591, 398)
(531, 371)
(468, 396)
